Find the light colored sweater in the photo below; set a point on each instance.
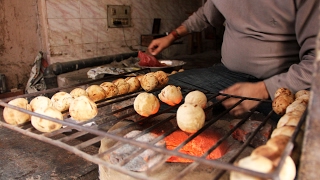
(270, 39)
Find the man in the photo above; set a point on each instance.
(266, 45)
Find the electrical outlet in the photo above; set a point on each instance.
(118, 16)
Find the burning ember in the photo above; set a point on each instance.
(196, 147)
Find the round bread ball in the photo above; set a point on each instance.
(76, 92)
(283, 91)
(162, 78)
(278, 142)
(95, 93)
(174, 72)
(134, 84)
(297, 105)
(280, 104)
(301, 93)
(289, 119)
(61, 101)
(171, 95)
(304, 98)
(44, 125)
(15, 117)
(140, 76)
(268, 152)
(196, 97)
(110, 89)
(149, 82)
(255, 163)
(190, 117)
(284, 130)
(146, 104)
(40, 102)
(288, 170)
(83, 108)
(122, 85)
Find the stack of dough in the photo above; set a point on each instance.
(271, 152)
(53, 107)
(190, 115)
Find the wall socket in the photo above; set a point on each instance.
(118, 16)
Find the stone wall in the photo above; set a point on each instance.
(20, 40)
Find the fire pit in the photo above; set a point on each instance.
(174, 164)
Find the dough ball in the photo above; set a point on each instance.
(284, 130)
(146, 104)
(40, 102)
(140, 76)
(15, 117)
(288, 170)
(95, 93)
(301, 93)
(255, 163)
(171, 95)
(278, 142)
(283, 91)
(289, 119)
(280, 104)
(44, 125)
(83, 108)
(149, 82)
(297, 105)
(162, 78)
(61, 101)
(123, 86)
(268, 152)
(181, 70)
(305, 98)
(76, 92)
(196, 97)
(190, 117)
(174, 72)
(110, 89)
(134, 84)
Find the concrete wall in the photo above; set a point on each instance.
(78, 29)
(20, 40)
(67, 30)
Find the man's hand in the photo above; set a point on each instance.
(157, 45)
(245, 89)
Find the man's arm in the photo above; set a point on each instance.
(299, 75)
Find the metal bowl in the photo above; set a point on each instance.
(171, 65)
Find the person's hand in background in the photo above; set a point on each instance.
(244, 89)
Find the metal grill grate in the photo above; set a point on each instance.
(104, 122)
